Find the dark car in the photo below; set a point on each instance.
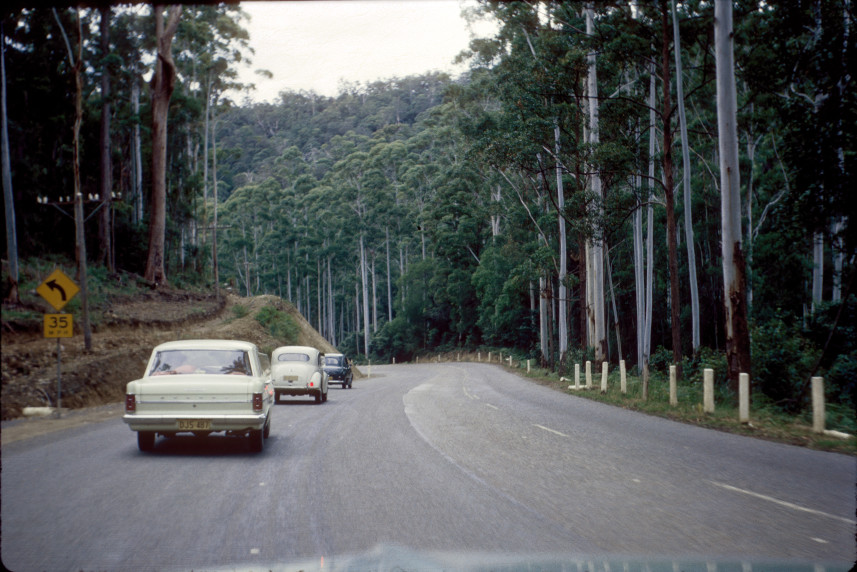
(338, 369)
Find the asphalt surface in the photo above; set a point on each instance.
(462, 459)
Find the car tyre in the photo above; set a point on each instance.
(146, 440)
(267, 431)
(324, 397)
(257, 440)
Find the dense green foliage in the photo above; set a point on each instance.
(448, 187)
(279, 324)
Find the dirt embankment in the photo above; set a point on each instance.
(122, 344)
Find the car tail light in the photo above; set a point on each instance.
(130, 402)
(257, 402)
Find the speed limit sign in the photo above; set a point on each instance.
(59, 326)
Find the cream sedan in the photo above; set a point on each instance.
(299, 370)
(202, 387)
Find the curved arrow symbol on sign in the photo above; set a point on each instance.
(54, 286)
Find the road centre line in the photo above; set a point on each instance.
(468, 394)
(549, 430)
(782, 502)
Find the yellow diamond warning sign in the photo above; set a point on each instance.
(58, 289)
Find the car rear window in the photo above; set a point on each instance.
(333, 360)
(172, 362)
(292, 357)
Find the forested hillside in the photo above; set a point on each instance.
(563, 199)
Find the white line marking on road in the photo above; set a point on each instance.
(550, 430)
(782, 502)
(468, 394)
(254, 551)
(491, 406)
(819, 540)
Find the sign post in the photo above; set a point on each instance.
(58, 289)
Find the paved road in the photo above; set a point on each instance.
(458, 458)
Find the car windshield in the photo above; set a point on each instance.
(333, 360)
(293, 357)
(172, 362)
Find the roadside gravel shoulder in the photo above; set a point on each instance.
(26, 428)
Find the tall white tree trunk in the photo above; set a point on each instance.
(389, 280)
(319, 296)
(8, 196)
(563, 255)
(374, 299)
(838, 258)
(137, 150)
(817, 268)
(639, 272)
(688, 218)
(543, 318)
(365, 279)
(650, 235)
(734, 279)
(600, 330)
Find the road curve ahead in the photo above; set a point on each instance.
(451, 458)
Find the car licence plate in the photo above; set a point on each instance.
(194, 424)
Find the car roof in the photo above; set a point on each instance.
(334, 355)
(206, 345)
(295, 349)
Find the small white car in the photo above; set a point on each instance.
(299, 370)
(202, 387)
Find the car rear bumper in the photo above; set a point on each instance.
(296, 390)
(170, 423)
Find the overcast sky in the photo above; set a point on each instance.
(310, 45)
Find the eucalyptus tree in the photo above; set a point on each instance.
(350, 177)
(8, 195)
(105, 231)
(75, 61)
(734, 278)
(163, 84)
(686, 188)
(391, 159)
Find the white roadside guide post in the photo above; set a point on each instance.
(743, 398)
(673, 387)
(58, 289)
(708, 391)
(623, 383)
(588, 374)
(577, 376)
(528, 366)
(818, 412)
(604, 377)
